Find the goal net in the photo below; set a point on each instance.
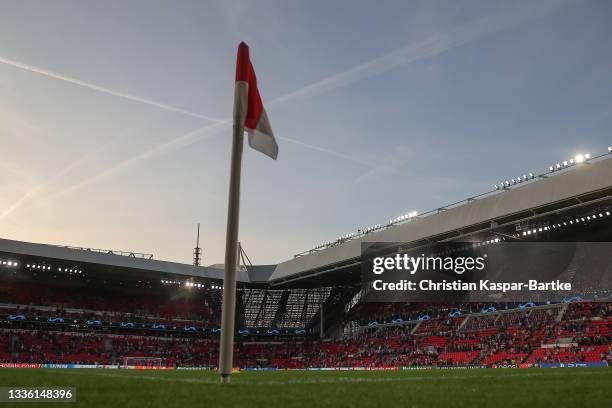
(141, 362)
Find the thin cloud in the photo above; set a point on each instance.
(159, 150)
(324, 150)
(41, 187)
(427, 48)
(109, 91)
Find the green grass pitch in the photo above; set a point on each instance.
(534, 388)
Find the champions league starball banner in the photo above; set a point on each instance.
(497, 272)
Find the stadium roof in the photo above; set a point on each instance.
(111, 259)
(589, 182)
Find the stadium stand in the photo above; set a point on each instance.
(510, 337)
(65, 304)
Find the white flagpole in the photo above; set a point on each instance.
(231, 239)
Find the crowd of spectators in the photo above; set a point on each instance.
(513, 337)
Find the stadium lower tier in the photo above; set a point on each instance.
(579, 332)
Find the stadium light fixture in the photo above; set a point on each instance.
(579, 158)
(609, 149)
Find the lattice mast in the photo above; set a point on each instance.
(197, 251)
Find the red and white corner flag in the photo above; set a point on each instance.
(249, 115)
(248, 108)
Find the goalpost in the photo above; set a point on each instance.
(138, 361)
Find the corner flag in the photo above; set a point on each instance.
(249, 115)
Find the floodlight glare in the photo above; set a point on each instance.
(579, 158)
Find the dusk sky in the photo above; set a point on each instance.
(114, 114)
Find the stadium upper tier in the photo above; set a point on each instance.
(581, 188)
